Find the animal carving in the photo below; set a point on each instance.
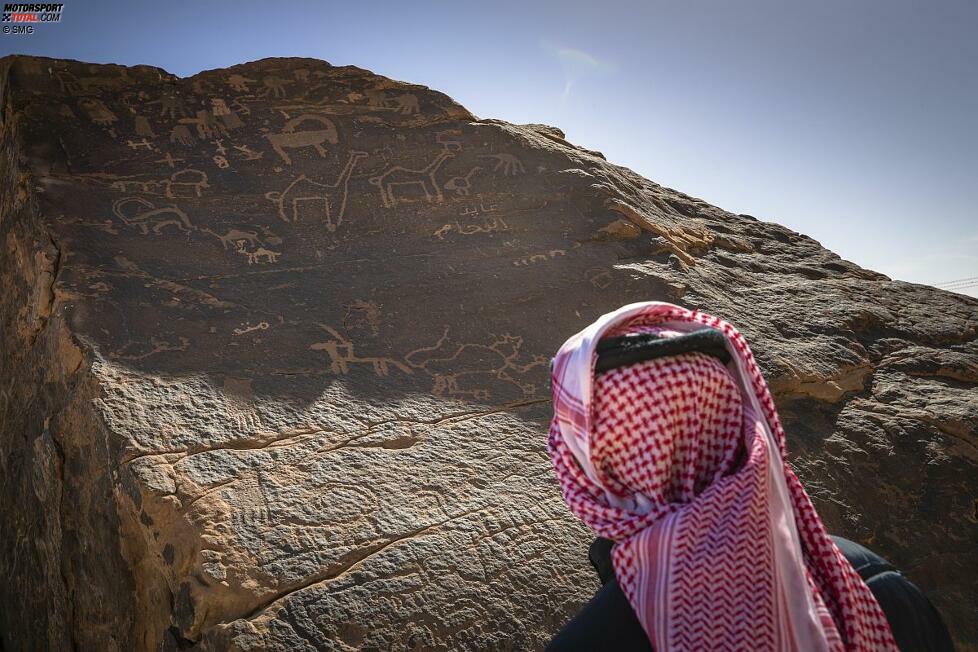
(185, 183)
(289, 138)
(235, 236)
(461, 185)
(141, 213)
(399, 176)
(258, 254)
(342, 354)
(507, 163)
(239, 82)
(326, 202)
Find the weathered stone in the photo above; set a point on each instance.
(274, 363)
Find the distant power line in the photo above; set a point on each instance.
(960, 288)
(967, 281)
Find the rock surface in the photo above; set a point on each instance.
(273, 363)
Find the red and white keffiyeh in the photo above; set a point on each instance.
(681, 461)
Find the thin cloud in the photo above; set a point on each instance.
(576, 64)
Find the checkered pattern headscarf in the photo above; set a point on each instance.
(682, 462)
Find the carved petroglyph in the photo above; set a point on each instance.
(248, 328)
(97, 112)
(240, 107)
(97, 83)
(239, 82)
(599, 277)
(143, 128)
(69, 83)
(457, 370)
(539, 258)
(405, 103)
(489, 226)
(171, 106)
(342, 354)
(376, 98)
(142, 144)
(231, 238)
(400, 176)
(169, 160)
(185, 183)
(275, 86)
(362, 315)
(289, 138)
(499, 360)
(180, 134)
(135, 185)
(307, 199)
(221, 111)
(507, 163)
(184, 293)
(478, 209)
(136, 350)
(207, 125)
(461, 185)
(448, 139)
(257, 255)
(232, 121)
(239, 397)
(249, 155)
(141, 213)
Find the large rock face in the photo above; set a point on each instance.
(274, 363)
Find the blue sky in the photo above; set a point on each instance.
(853, 122)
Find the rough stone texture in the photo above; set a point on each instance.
(274, 363)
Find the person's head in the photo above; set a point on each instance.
(681, 414)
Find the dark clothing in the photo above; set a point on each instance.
(914, 621)
(607, 621)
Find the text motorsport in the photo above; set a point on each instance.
(25, 14)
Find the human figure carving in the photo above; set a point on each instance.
(292, 139)
(69, 83)
(180, 134)
(98, 112)
(402, 176)
(207, 125)
(143, 128)
(170, 105)
(275, 85)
